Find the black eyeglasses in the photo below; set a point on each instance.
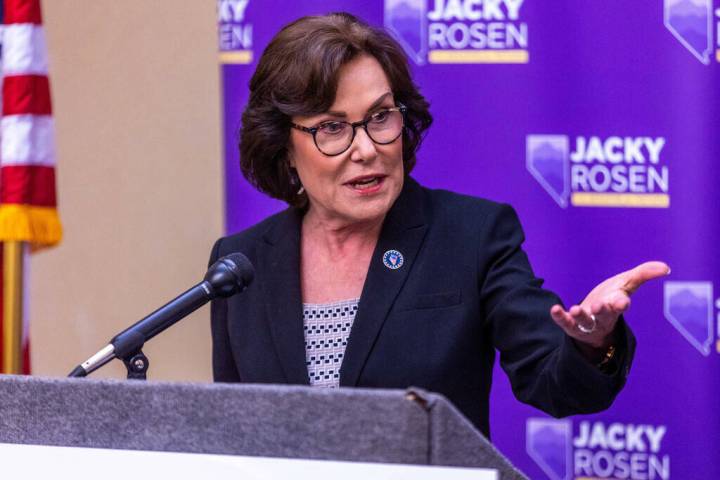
(335, 137)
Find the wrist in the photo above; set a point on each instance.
(602, 356)
(593, 354)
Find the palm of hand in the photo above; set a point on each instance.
(598, 314)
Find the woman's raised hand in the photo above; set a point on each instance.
(593, 321)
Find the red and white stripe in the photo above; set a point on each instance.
(27, 133)
(27, 146)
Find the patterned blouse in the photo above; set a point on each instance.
(327, 328)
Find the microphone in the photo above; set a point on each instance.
(229, 275)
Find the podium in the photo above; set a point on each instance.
(357, 425)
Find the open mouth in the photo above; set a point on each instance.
(366, 183)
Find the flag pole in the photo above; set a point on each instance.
(12, 307)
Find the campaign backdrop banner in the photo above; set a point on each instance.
(599, 122)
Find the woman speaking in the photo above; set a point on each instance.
(369, 279)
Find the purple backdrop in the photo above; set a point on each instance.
(598, 121)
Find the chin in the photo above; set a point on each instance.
(371, 209)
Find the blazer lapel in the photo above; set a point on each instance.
(279, 262)
(404, 230)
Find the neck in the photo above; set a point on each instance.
(338, 236)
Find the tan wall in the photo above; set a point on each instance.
(135, 88)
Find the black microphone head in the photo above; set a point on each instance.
(231, 274)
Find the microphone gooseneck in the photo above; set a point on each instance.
(228, 276)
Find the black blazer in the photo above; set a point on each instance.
(465, 289)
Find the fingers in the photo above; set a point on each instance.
(642, 273)
(617, 303)
(569, 320)
(562, 318)
(579, 324)
(582, 317)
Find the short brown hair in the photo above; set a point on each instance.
(298, 75)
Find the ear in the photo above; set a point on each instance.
(291, 158)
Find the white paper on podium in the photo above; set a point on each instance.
(35, 461)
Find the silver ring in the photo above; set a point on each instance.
(587, 330)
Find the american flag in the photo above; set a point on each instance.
(28, 205)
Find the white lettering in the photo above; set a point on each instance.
(578, 155)
(633, 438)
(611, 151)
(659, 468)
(620, 179)
(582, 440)
(458, 42)
(602, 463)
(622, 468)
(462, 10)
(579, 182)
(460, 35)
(437, 12)
(658, 180)
(636, 178)
(620, 465)
(638, 466)
(232, 10)
(496, 35)
(654, 147)
(600, 179)
(619, 176)
(615, 433)
(583, 462)
(477, 32)
(629, 459)
(616, 149)
(470, 12)
(437, 35)
(513, 7)
(597, 435)
(632, 150)
(453, 10)
(517, 35)
(655, 436)
(492, 10)
(234, 37)
(595, 152)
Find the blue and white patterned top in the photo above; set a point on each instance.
(327, 327)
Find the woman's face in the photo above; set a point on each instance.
(362, 183)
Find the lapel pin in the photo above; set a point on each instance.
(393, 259)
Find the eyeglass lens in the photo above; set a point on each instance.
(383, 127)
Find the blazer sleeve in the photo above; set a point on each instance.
(545, 368)
(224, 369)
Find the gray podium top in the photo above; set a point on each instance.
(392, 426)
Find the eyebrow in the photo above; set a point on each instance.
(374, 105)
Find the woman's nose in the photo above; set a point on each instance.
(363, 148)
